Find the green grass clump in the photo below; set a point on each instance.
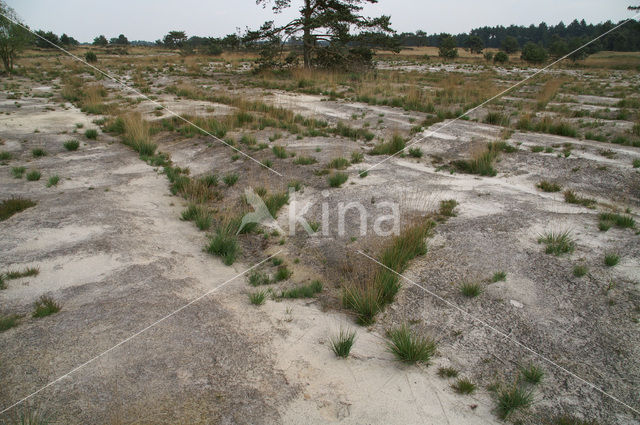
(199, 214)
(283, 273)
(71, 145)
(33, 175)
(279, 151)
(532, 374)
(636, 163)
(536, 149)
(210, 180)
(497, 118)
(464, 386)
(224, 244)
(415, 152)
(395, 145)
(410, 348)
(481, 163)
(45, 306)
(580, 270)
(619, 220)
(257, 278)
(357, 157)
(276, 261)
(8, 322)
(546, 186)
(512, 399)
(337, 179)
(499, 276)
(557, 242)
(92, 134)
(5, 156)
(53, 181)
(230, 179)
(571, 198)
(339, 163)
(447, 208)
(363, 174)
(18, 172)
(341, 344)
(447, 372)
(470, 289)
(611, 259)
(38, 152)
(258, 297)
(16, 274)
(12, 206)
(305, 160)
(305, 291)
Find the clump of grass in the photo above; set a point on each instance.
(536, 149)
(8, 322)
(532, 374)
(12, 206)
(619, 220)
(16, 274)
(283, 273)
(580, 270)
(38, 152)
(91, 134)
(410, 348)
(512, 399)
(137, 135)
(464, 386)
(415, 152)
(363, 174)
(497, 118)
(33, 175)
(279, 151)
(448, 372)
(341, 344)
(305, 291)
(5, 156)
(470, 289)
(557, 242)
(199, 214)
(339, 163)
(258, 297)
(447, 208)
(611, 259)
(356, 157)
(230, 179)
(337, 179)
(257, 278)
(604, 225)
(18, 172)
(211, 180)
(224, 243)
(393, 146)
(276, 261)
(499, 276)
(481, 163)
(571, 198)
(636, 163)
(53, 181)
(305, 160)
(45, 306)
(71, 145)
(546, 186)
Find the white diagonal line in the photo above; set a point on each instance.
(447, 124)
(123, 84)
(501, 333)
(124, 341)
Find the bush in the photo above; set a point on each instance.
(501, 57)
(90, 57)
(534, 53)
(488, 56)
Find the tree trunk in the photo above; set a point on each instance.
(307, 39)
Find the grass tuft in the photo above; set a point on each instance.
(619, 220)
(393, 146)
(341, 344)
(499, 276)
(283, 273)
(45, 306)
(337, 179)
(258, 297)
(38, 152)
(546, 186)
(512, 399)
(230, 179)
(470, 289)
(306, 291)
(464, 386)
(448, 372)
(91, 134)
(12, 206)
(16, 274)
(410, 348)
(224, 243)
(571, 198)
(33, 175)
(71, 145)
(557, 242)
(8, 322)
(257, 278)
(53, 181)
(18, 172)
(532, 374)
(580, 270)
(611, 259)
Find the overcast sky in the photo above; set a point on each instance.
(151, 19)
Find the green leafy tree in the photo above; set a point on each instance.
(447, 48)
(534, 53)
(46, 40)
(325, 27)
(501, 57)
(13, 37)
(175, 39)
(121, 40)
(475, 44)
(510, 44)
(100, 40)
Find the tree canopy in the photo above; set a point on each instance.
(13, 38)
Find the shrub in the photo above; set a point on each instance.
(501, 57)
(546, 186)
(611, 259)
(18, 172)
(337, 179)
(14, 205)
(464, 386)
(45, 306)
(341, 344)
(410, 348)
(53, 181)
(557, 242)
(258, 297)
(91, 134)
(91, 57)
(534, 53)
(230, 179)
(38, 152)
(71, 145)
(33, 175)
(305, 291)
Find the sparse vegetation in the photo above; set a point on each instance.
(395, 145)
(448, 372)
(611, 259)
(571, 198)
(230, 179)
(14, 205)
(512, 399)
(18, 172)
(258, 297)
(33, 175)
(91, 134)
(557, 242)
(38, 152)
(618, 220)
(53, 181)
(546, 186)
(532, 374)
(409, 347)
(464, 386)
(341, 344)
(224, 243)
(257, 278)
(8, 322)
(337, 179)
(499, 276)
(45, 306)
(471, 289)
(580, 270)
(304, 291)
(71, 145)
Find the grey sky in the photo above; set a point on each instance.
(151, 19)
